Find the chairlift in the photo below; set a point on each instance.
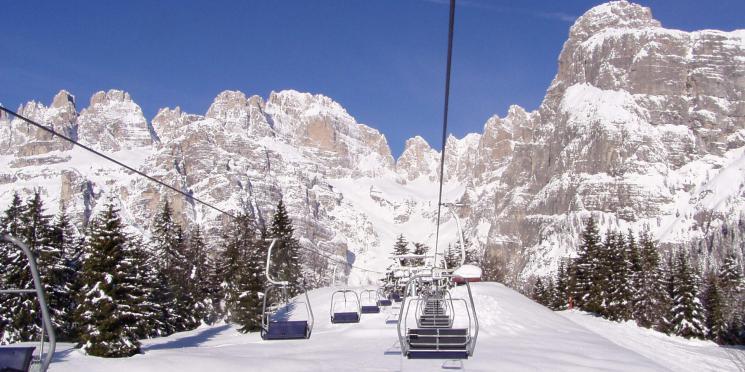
(436, 334)
(369, 302)
(349, 302)
(445, 327)
(20, 358)
(383, 300)
(274, 328)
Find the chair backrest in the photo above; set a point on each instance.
(348, 299)
(16, 358)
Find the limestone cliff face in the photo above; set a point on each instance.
(638, 121)
(418, 160)
(242, 155)
(25, 140)
(113, 122)
(642, 127)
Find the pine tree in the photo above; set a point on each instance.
(251, 285)
(135, 278)
(619, 285)
(10, 260)
(550, 293)
(104, 311)
(587, 288)
(539, 292)
(420, 249)
(730, 273)
(733, 298)
(200, 278)
(143, 275)
(182, 287)
(286, 258)
(63, 264)
(452, 257)
(688, 313)
(634, 258)
(561, 292)
(713, 306)
(650, 297)
(401, 248)
(473, 255)
(174, 270)
(163, 256)
(242, 268)
(665, 324)
(22, 312)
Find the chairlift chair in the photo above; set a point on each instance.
(15, 359)
(383, 300)
(345, 316)
(369, 302)
(283, 329)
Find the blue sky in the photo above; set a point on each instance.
(383, 60)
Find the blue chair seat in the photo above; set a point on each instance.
(395, 297)
(371, 309)
(16, 358)
(384, 302)
(432, 354)
(285, 330)
(346, 317)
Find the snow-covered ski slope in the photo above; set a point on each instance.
(516, 335)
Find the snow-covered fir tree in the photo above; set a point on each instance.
(687, 311)
(21, 313)
(105, 311)
(587, 290)
(633, 256)
(62, 264)
(539, 294)
(286, 258)
(143, 275)
(713, 307)
(421, 249)
(473, 255)
(733, 297)
(241, 266)
(400, 246)
(550, 293)
(252, 286)
(201, 286)
(650, 297)
(561, 292)
(452, 256)
(618, 281)
(13, 264)
(174, 269)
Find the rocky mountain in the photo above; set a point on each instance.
(642, 127)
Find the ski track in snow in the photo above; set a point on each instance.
(516, 335)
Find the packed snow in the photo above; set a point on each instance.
(516, 334)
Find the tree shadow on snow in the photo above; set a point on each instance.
(188, 341)
(61, 356)
(284, 313)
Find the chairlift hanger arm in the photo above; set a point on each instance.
(460, 231)
(268, 264)
(39, 289)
